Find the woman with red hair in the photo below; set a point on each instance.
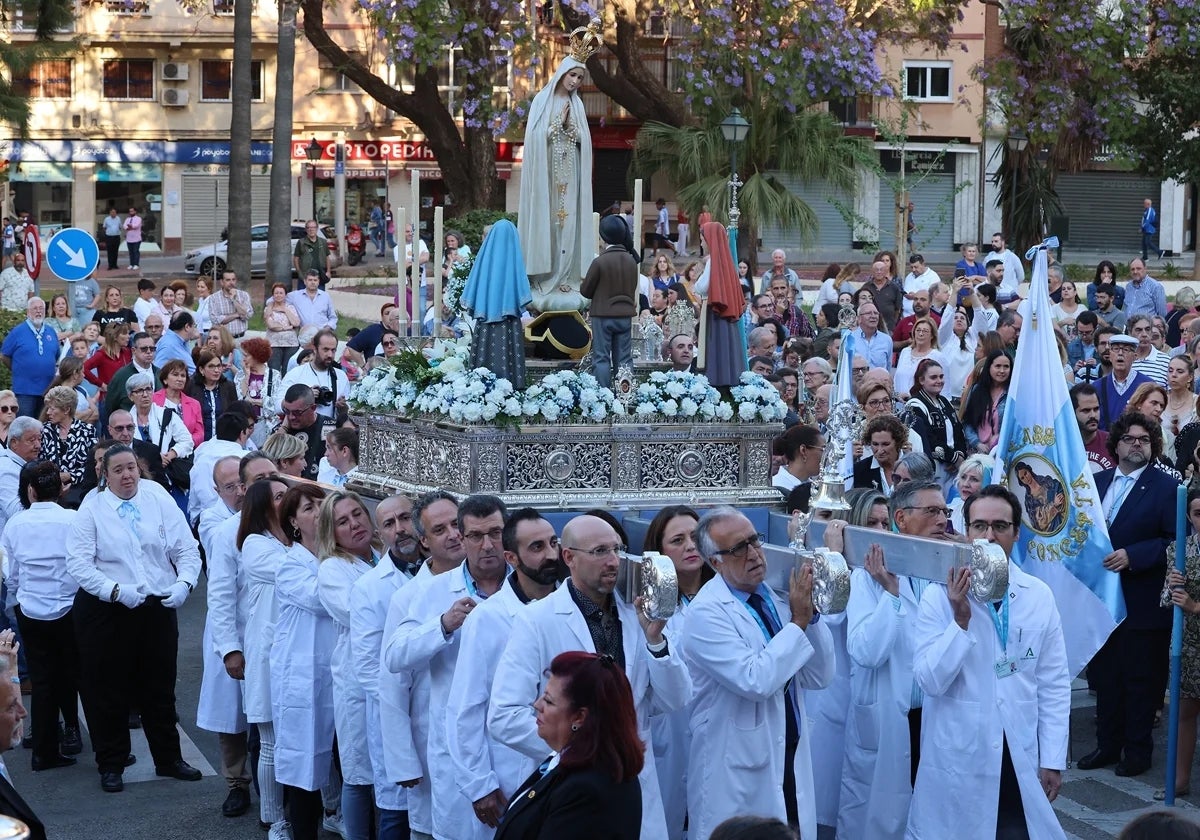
(258, 383)
(588, 789)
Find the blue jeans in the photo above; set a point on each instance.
(393, 825)
(611, 347)
(1147, 244)
(8, 621)
(357, 814)
(377, 239)
(135, 253)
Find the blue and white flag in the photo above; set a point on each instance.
(1064, 538)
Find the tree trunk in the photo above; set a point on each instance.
(279, 239)
(467, 160)
(239, 143)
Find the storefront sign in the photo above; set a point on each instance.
(327, 172)
(381, 150)
(102, 151)
(127, 151)
(140, 172)
(41, 171)
(918, 163)
(211, 151)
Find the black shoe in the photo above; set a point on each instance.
(179, 770)
(130, 760)
(69, 740)
(236, 803)
(1131, 768)
(135, 720)
(52, 763)
(111, 782)
(1097, 758)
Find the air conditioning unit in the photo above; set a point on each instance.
(174, 71)
(175, 97)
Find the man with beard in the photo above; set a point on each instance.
(322, 375)
(30, 351)
(1130, 671)
(302, 419)
(404, 710)
(369, 601)
(1086, 403)
(586, 614)
(427, 640)
(488, 770)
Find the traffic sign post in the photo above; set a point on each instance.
(73, 254)
(33, 251)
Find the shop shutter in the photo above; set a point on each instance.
(933, 200)
(205, 200)
(833, 231)
(1105, 209)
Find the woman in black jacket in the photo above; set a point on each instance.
(209, 387)
(931, 416)
(588, 788)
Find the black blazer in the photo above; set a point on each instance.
(867, 476)
(12, 805)
(578, 804)
(1144, 525)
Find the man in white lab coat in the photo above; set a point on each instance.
(404, 713)
(427, 640)
(487, 773)
(369, 600)
(751, 653)
(997, 698)
(585, 614)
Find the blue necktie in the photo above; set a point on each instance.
(792, 722)
(129, 512)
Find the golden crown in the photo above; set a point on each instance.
(586, 40)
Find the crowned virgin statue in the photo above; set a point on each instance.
(555, 214)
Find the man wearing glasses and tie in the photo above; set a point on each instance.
(1130, 671)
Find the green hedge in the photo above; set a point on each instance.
(472, 225)
(8, 320)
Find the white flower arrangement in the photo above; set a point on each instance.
(471, 396)
(679, 396)
(457, 281)
(569, 395)
(756, 400)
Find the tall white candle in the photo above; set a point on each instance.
(639, 240)
(439, 242)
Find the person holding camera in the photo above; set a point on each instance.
(322, 374)
(300, 419)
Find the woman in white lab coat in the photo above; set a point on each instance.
(673, 533)
(301, 683)
(878, 771)
(260, 541)
(344, 534)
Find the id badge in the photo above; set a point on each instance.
(1005, 668)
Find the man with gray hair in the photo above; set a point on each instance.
(779, 269)
(919, 509)
(751, 653)
(760, 342)
(30, 350)
(816, 372)
(912, 466)
(24, 446)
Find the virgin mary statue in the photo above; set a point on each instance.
(555, 214)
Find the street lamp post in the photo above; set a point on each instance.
(1017, 143)
(313, 152)
(734, 129)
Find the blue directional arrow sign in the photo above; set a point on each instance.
(73, 254)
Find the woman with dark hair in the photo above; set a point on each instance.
(588, 788)
(830, 285)
(825, 317)
(801, 448)
(931, 416)
(174, 378)
(261, 543)
(863, 295)
(1106, 275)
(282, 320)
(113, 355)
(983, 409)
(211, 389)
(301, 679)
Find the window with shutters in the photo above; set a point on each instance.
(129, 78)
(46, 80)
(216, 81)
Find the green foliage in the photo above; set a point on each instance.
(412, 366)
(8, 320)
(472, 224)
(1077, 273)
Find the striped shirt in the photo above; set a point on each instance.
(1154, 366)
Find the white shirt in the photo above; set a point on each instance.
(918, 283)
(35, 565)
(1154, 366)
(143, 308)
(105, 548)
(1014, 274)
(1118, 491)
(176, 436)
(204, 492)
(423, 251)
(10, 474)
(306, 374)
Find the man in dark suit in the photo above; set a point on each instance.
(12, 715)
(1130, 671)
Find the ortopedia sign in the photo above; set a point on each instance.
(381, 150)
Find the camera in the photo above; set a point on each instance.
(324, 396)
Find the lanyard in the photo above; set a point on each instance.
(1000, 620)
(758, 618)
(472, 589)
(37, 333)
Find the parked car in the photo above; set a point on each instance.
(206, 261)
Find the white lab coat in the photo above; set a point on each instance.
(969, 711)
(221, 708)
(738, 725)
(672, 741)
(875, 781)
(480, 763)
(369, 601)
(404, 711)
(301, 681)
(203, 490)
(827, 708)
(554, 625)
(419, 644)
(261, 556)
(335, 579)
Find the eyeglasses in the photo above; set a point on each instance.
(740, 550)
(880, 403)
(858, 370)
(128, 428)
(1144, 440)
(931, 510)
(137, 391)
(9, 409)
(230, 487)
(477, 537)
(389, 344)
(145, 348)
(600, 552)
(298, 412)
(980, 527)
